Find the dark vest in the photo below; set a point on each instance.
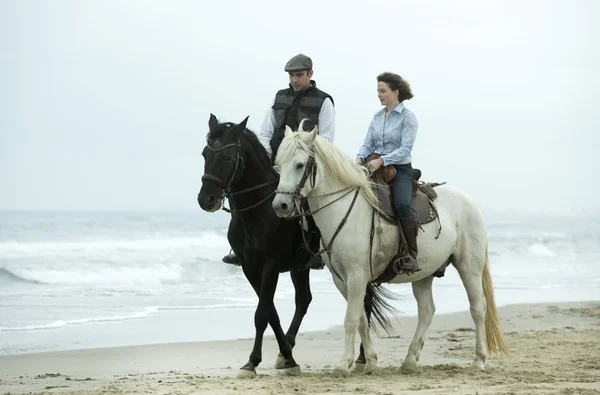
(291, 107)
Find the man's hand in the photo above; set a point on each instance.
(359, 161)
(374, 164)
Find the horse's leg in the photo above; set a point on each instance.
(355, 290)
(362, 360)
(426, 307)
(301, 282)
(366, 344)
(266, 313)
(471, 276)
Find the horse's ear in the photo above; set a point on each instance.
(240, 127)
(212, 122)
(313, 135)
(288, 131)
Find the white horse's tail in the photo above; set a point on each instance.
(375, 299)
(493, 332)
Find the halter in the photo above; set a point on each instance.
(226, 186)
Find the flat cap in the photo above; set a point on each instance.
(299, 62)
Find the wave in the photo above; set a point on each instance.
(147, 312)
(6, 276)
(206, 239)
(97, 275)
(541, 250)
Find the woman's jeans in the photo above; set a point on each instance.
(402, 190)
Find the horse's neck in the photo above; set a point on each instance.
(254, 174)
(330, 196)
(332, 208)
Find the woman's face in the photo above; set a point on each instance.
(385, 94)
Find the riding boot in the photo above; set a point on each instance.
(232, 259)
(313, 235)
(410, 229)
(315, 262)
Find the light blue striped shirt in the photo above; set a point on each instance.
(392, 138)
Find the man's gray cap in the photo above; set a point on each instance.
(298, 63)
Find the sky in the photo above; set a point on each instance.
(104, 105)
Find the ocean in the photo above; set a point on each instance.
(74, 280)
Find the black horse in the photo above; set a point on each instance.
(237, 167)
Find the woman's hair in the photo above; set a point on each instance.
(394, 81)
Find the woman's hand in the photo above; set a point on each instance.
(359, 161)
(374, 164)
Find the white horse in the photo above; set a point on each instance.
(331, 189)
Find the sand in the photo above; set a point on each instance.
(554, 349)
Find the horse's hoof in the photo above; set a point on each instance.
(408, 367)
(341, 372)
(359, 367)
(293, 371)
(246, 374)
(280, 362)
(371, 369)
(478, 364)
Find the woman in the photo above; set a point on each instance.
(392, 134)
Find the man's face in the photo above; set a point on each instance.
(300, 80)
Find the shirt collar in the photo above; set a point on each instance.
(399, 108)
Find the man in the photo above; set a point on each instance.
(302, 99)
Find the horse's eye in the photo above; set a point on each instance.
(299, 166)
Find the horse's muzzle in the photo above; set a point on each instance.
(283, 206)
(209, 203)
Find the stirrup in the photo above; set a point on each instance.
(400, 263)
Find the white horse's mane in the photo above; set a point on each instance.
(336, 162)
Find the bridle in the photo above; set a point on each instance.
(226, 185)
(311, 171)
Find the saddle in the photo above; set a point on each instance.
(422, 204)
(423, 194)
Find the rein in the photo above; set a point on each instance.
(327, 248)
(311, 170)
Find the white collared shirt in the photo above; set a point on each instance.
(392, 137)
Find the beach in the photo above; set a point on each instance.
(554, 348)
(141, 303)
